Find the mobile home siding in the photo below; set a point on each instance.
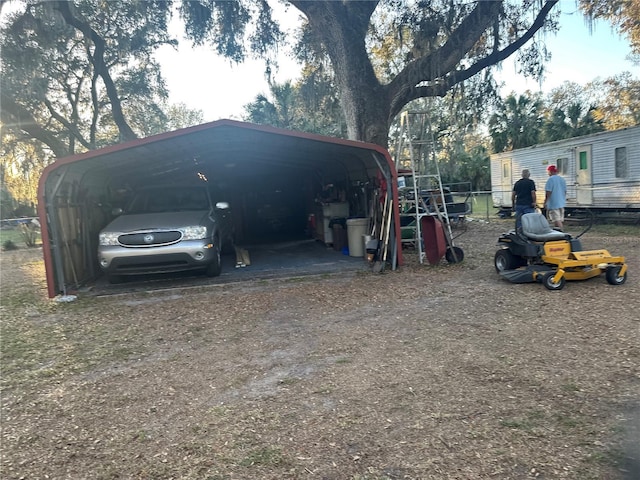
(601, 188)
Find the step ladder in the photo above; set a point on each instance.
(415, 154)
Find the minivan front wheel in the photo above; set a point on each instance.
(215, 267)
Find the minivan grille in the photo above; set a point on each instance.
(149, 239)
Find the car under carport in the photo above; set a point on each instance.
(277, 181)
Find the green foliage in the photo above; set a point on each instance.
(474, 167)
(92, 80)
(570, 110)
(380, 55)
(82, 73)
(30, 233)
(613, 102)
(311, 105)
(7, 202)
(9, 245)
(179, 116)
(10, 234)
(280, 112)
(618, 100)
(27, 234)
(517, 122)
(623, 15)
(21, 163)
(224, 25)
(560, 125)
(451, 125)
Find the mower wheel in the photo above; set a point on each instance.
(454, 255)
(613, 276)
(505, 260)
(550, 284)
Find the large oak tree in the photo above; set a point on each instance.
(442, 43)
(78, 66)
(99, 56)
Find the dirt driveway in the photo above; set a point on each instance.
(444, 372)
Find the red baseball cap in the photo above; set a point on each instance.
(552, 168)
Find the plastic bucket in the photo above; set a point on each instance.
(356, 229)
(370, 244)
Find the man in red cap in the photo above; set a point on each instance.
(555, 197)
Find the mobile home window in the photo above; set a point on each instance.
(621, 162)
(563, 165)
(583, 161)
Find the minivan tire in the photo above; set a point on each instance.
(215, 267)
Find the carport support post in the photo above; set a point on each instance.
(49, 221)
(56, 256)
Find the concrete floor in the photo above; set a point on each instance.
(274, 260)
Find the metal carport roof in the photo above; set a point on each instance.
(72, 191)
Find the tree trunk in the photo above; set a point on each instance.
(342, 28)
(369, 107)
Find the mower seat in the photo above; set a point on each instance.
(535, 227)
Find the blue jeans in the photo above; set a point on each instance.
(521, 210)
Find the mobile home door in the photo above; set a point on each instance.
(584, 176)
(507, 186)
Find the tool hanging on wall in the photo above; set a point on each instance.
(383, 246)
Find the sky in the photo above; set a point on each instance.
(198, 78)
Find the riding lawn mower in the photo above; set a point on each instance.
(537, 253)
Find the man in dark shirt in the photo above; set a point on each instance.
(523, 196)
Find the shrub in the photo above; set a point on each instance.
(30, 232)
(9, 245)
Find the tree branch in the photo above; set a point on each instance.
(402, 94)
(72, 128)
(14, 115)
(99, 64)
(445, 58)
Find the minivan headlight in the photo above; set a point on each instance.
(194, 232)
(109, 238)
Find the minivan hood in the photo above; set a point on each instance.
(156, 221)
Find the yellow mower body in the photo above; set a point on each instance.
(579, 265)
(538, 253)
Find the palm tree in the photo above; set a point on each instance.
(517, 123)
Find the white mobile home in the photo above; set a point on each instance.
(602, 170)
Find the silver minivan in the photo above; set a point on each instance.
(166, 228)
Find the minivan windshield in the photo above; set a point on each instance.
(169, 199)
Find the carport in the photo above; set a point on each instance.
(277, 182)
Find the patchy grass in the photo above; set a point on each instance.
(612, 230)
(22, 239)
(10, 234)
(266, 456)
